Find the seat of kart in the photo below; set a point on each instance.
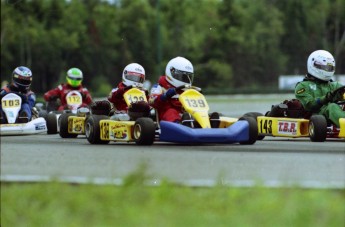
(292, 108)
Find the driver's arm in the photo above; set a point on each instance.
(304, 94)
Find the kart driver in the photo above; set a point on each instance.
(164, 96)
(74, 82)
(316, 91)
(133, 75)
(21, 82)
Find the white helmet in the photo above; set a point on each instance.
(133, 75)
(321, 64)
(179, 71)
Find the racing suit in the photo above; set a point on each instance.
(116, 97)
(168, 109)
(311, 92)
(62, 90)
(28, 100)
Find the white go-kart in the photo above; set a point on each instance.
(11, 105)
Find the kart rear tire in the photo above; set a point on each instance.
(42, 113)
(253, 130)
(255, 115)
(63, 123)
(144, 131)
(51, 120)
(317, 128)
(93, 130)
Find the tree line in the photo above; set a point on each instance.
(234, 45)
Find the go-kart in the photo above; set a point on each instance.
(11, 105)
(71, 121)
(289, 119)
(74, 101)
(145, 130)
(134, 126)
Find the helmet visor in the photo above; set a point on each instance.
(183, 76)
(327, 68)
(74, 82)
(135, 77)
(22, 80)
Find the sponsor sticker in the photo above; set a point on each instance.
(300, 91)
(287, 127)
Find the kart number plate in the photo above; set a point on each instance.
(8, 103)
(136, 98)
(134, 95)
(265, 126)
(74, 100)
(195, 103)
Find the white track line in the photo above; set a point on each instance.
(157, 182)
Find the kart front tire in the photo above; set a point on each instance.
(63, 123)
(317, 128)
(93, 130)
(255, 115)
(51, 120)
(144, 131)
(253, 130)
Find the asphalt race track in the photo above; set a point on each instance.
(273, 162)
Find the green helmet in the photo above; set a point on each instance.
(74, 77)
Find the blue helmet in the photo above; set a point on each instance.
(22, 77)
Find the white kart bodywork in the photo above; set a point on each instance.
(11, 104)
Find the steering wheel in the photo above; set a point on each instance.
(340, 92)
(188, 87)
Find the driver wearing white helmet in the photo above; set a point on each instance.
(316, 91)
(164, 95)
(133, 75)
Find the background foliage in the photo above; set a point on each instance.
(234, 44)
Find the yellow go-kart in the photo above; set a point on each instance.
(290, 120)
(144, 130)
(228, 130)
(70, 123)
(132, 126)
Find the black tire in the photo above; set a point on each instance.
(63, 124)
(42, 113)
(317, 128)
(255, 115)
(253, 130)
(144, 131)
(51, 120)
(93, 131)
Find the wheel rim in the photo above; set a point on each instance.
(137, 131)
(87, 130)
(311, 129)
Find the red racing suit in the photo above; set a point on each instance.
(62, 90)
(116, 97)
(170, 109)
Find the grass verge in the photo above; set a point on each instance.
(136, 204)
